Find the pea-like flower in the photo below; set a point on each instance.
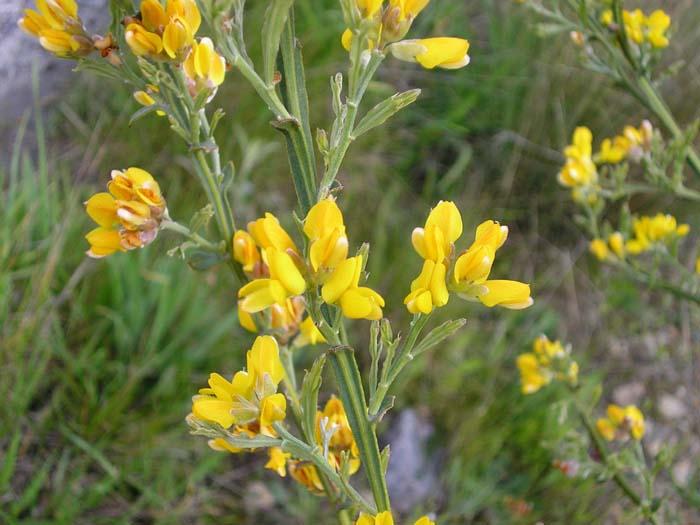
(268, 233)
(548, 361)
(58, 28)
(342, 288)
(328, 243)
(129, 216)
(640, 28)
(245, 251)
(652, 231)
(466, 274)
(443, 52)
(204, 67)
(285, 281)
(309, 334)
(165, 33)
(580, 170)
(621, 423)
(249, 401)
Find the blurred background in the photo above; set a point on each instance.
(99, 359)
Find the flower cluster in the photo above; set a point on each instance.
(270, 257)
(58, 28)
(249, 402)
(466, 274)
(129, 216)
(580, 171)
(549, 360)
(647, 232)
(385, 25)
(621, 423)
(640, 28)
(385, 518)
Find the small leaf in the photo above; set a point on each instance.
(386, 109)
(146, 110)
(229, 175)
(275, 20)
(437, 335)
(202, 260)
(309, 397)
(386, 405)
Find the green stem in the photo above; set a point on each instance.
(305, 452)
(390, 371)
(359, 79)
(353, 397)
(602, 450)
(186, 232)
(654, 283)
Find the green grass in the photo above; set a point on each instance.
(98, 359)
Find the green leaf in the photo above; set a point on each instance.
(383, 111)
(309, 398)
(146, 110)
(229, 176)
(201, 260)
(437, 335)
(275, 21)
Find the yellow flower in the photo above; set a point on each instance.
(204, 67)
(399, 17)
(246, 320)
(58, 28)
(141, 41)
(129, 216)
(33, 23)
(579, 169)
(428, 290)
(424, 520)
(548, 360)
(278, 460)
(325, 229)
(177, 37)
(187, 10)
(621, 423)
(617, 244)
(443, 227)
(368, 9)
(513, 295)
(268, 232)
(309, 334)
(697, 265)
(650, 231)
(443, 52)
(221, 445)
(153, 16)
(306, 474)
(250, 400)
(599, 248)
(657, 23)
(634, 25)
(285, 281)
(383, 518)
(245, 251)
(613, 151)
(342, 287)
(145, 99)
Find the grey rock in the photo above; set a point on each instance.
(20, 52)
(412, 474)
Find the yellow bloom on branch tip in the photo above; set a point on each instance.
(187, 10)
(579, 170)
(141, 41)
(424, 520)
(325, 229)
(342, 287)
(548, 360)
(428, 290)
(443, 52)
(442, 228)
(103, 242)
(153, 15)
(268, 232)
(621, 423)
(204, 67)
(657, 23)
(177, 37)
(309, 334)
(250, 400)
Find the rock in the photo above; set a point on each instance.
(19, 52)
(629, 394)
(671, 407)
(412, 474)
